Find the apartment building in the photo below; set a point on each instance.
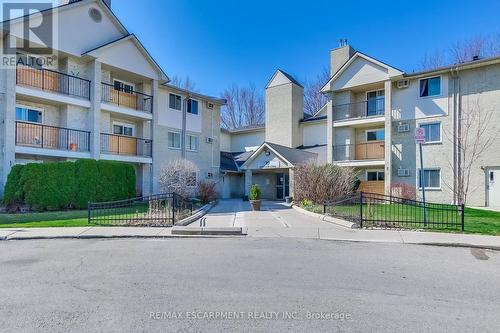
(369, 124)
(100, 96)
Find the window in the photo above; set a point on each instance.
(191, 179)
(432, 178)
(123, 129)
(174, 140)
(123, 86)
(375, 104)
(375, 175)
(175, 102)
(375, 135)
(28, 114)
(430, 86)
(192, 106)
(191, 142)
(432, 132)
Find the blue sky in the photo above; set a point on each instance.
(220, 42)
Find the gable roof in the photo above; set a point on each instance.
(291, 156)
(95, 52)
(392, 71)
(286, 75)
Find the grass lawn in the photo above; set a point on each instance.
(476, 220)
(75, 218)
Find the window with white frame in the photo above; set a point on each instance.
(174, 140)
(375, 135)
(192, 106)
(430, 86)
(375, 103)
(25, 113)
(191, 142)
(123, 86)
(432, 132)
(432, 179)
(191, 179)
(375, 175)
(123, 129)
(175, 102)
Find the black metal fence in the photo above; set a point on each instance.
(159, 210)
(130, 99)
(371, 210)
(51, 137)
(50, 80)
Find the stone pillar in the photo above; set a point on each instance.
(95, 110)
(154, 186)
(248, 182)
(329, 131)
(388, 136)
(8, 126)
(291, 183)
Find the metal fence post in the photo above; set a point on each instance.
(324, 208)
(463, 217)
(173, 208)
(361, 209)
(88, 211)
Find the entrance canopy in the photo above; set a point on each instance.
(273, 156)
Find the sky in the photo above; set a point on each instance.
(222, 42)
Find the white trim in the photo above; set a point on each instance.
(49, 96)
(440, 131)
(126, 111)
(428, 188)
(257, 152)
(50, 152)
(440, 86)
(374, 170)
(123, 124)
(197, 146)
(34, 108)
(374, 130)
(180, 140)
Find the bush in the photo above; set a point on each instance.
(321, 183)
(179, 176)
(254, 192)
(206, 191)
(13, 194)
(62, 185)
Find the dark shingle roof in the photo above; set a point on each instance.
(292, 155)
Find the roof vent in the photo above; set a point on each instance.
(343, 42)
(475, 58)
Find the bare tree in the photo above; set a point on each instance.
(434, 60)
(245, 107)
(184, 83)
(476, 133)
(179, 176)
(313, 98)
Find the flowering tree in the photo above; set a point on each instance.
(179, 176)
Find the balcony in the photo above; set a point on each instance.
(51, 137)
(125, 145)
(374, 150)
(127, 99)
(371, 108)
(52, 81)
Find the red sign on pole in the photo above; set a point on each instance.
(419, 135)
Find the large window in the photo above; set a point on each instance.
(375, 175)
(191, 142)
(430, 87)
(432, 132)
(432, 178)
(375, 135)
(375, 103)
(192, 106)
(175, 102)
(174, 140)
(28, 114)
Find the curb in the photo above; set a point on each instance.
(83, 237)
(197, 214)
(228, 231)
(326, 218)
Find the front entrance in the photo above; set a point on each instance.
(493, 183)
(282, 186)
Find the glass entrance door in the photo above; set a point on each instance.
(282, 186)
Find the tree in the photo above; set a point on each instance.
(184, 83)
(179, 176)
(475, 134)
(245, 107)
(314, 99)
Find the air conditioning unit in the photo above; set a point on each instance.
(403, 172)
(210, 106)
(403, 84)
(209, 139)
(210, 175)
(403, 128)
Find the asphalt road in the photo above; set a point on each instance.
(252, 284)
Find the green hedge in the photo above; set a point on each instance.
(62, 185)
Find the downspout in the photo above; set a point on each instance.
(457, 139)
(453, 75)
(184, 121)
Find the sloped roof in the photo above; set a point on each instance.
(291, 156)
(285, 74)
(233, 161)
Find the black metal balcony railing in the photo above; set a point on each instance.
(51, 137)
(370, 108)
(132, 100)
(360, 151)
(125, 145)
(49, 80)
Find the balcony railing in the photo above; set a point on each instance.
(49, 80)
(132, 100)
(370, 108)
(51, 137)
(360, 151)
(125, 145)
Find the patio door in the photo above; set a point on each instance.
(282, 186)
(375, 104)
(493, 188)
